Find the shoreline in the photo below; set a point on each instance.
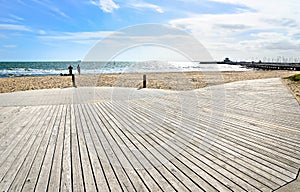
(159, 80)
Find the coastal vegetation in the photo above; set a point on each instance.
(295, 78)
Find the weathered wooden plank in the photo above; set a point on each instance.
(116, 157)
(152, 140)
(227, 175)
(276, 146)
(56, 167)
(88, 172)
(261, 116)
(12, 117)
(220, 142)
(99, 172)
(260, 129)
(77, 172)
(66, 170)
(33, 175)
(164, 137)
(150, 161)
(22, 154)
(225, 159)
(165, 152)
(7, 159)
(109, 172)
(9, 143)
(140, 176)
(257, 149)
(45, 172)
(23, 171)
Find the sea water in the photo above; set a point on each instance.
(49, 68)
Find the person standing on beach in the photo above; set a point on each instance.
(78, 69)
(70, 69)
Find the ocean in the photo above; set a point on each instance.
(50, 68)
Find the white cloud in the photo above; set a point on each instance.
(13, 27)
(214, 26)
(148, 6)
(107, 6)
(75, 37)
(42, 32)
(9, 46)
(229, 1)
(276, 8)
(265, 28)
(58, 11)
(16, 17)
(49, 5)
(11, 19)
(272, 41)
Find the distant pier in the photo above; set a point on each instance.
(264, 65)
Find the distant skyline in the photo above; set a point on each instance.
(40, 30)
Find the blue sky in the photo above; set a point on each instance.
(68, 29)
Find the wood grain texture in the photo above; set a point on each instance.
(241, 136)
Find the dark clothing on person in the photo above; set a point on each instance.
(78, 69)
(70, 70)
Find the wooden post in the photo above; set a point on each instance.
(73, 80)
(144, 81)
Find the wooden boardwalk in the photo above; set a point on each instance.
(242, 136)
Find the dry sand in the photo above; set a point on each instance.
(172, 81)
(180, 81)
(31, 83)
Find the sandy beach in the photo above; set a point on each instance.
(171, 81)
(180, 81)
(32, 83)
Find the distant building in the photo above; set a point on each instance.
(227, 60)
